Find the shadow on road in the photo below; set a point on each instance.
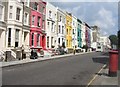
(102, 74)
(103, 59)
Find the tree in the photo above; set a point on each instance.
(113, 40)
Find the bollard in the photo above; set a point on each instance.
(113, 63)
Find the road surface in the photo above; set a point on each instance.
(72, 70)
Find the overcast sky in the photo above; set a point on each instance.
(102, 14)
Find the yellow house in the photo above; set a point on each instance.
(68, 30)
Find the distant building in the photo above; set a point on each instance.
(95, 37)
(104, 40)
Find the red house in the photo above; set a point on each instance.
(87, 35)
(37, 25)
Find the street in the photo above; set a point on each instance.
(72, 70)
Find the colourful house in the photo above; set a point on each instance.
(87, 35)
(68, 30)
(79, 38)
(37, 25)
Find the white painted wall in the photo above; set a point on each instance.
(74, 36)
(61, 23)
(53, 19)
(83, 34)
(11, 23)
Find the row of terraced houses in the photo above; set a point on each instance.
(28, 24)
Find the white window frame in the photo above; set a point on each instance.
(33, 20)
(17, 31)
(38, 40)
(43, 24)
(18, 14)
(47, 41)
(39, 21)
(60, 18)
(10, 12)
(2, 14)
(48, 25)
(27, 19)
(32, 39)
(59, 28)
(37, 6)
(52, 27)
(50, 14)
(9, 36)
(27, 2)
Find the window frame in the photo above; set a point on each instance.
(9, 37)
(18, 14)
(32, 39)
(2, 13)
(26, 18)
(33, 20)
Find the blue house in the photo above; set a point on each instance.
(79, 38)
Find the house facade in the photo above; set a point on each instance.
(17, 29)
(37, 25)
(105, 42)
(87, 35)
(68, 30)
(79, 37)
(95, 37)
(61, 32)
(51, 22)
(2, 26)
(74, 31)
(83, 34)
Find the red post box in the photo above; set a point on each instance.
(113, 63)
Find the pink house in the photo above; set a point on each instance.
(37, 25)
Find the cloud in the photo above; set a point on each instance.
(103, 14)
(83, 0)
(105, 19)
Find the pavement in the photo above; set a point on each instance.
(28, 60)
(100, 78)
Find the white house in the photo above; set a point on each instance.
(83, 34)
(61, 32)
(17, 34)
(51, 17)
(95, 37)
(2, 28)
(74, 32)
(104, 40)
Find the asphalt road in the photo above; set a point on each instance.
(72, 70)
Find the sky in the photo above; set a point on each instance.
(102, 14)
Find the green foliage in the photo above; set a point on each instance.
(113, 40)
